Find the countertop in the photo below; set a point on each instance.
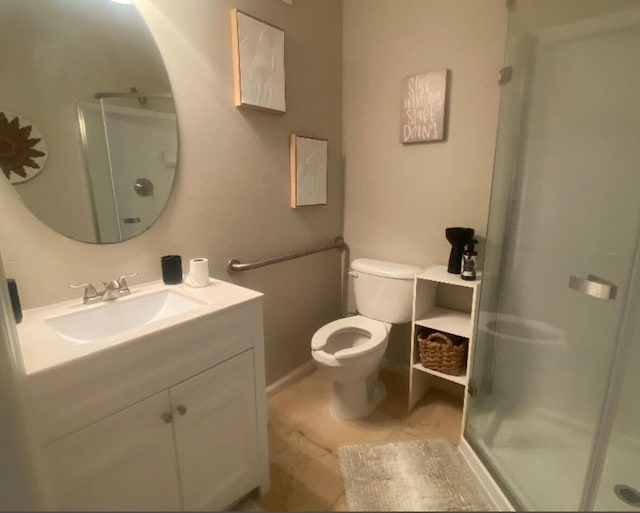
(41, 348)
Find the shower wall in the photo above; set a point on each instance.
(623, 450)
(564, 203)
(563, 176)
(576, 211)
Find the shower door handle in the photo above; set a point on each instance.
(594, 287)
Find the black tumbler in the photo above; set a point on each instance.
(15, 300)
(172, 269)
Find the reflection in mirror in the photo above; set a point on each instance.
(89, 76)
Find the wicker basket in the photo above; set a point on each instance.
(438, 352)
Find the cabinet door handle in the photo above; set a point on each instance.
(167, 417)
(181, 409)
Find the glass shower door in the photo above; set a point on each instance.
(142, 142)
(619, 483)
(564, 222)
(131, 154)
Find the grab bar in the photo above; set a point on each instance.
(133, 94)
(235, 265)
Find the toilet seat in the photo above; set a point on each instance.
(376, 331)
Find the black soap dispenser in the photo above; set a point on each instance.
(469, 261)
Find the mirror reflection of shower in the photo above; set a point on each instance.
(129, 142)
(96, 59)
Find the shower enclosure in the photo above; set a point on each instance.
(129, 143)
(554, 412)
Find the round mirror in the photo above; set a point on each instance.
(88, 132)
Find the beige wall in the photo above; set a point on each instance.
(400, 199)
(232, 189)
(16, 493)
(231, 197)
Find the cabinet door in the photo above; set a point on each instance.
(216, 434)
(124, 462)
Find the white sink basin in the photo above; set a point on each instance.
(110, 318)
(69, 332)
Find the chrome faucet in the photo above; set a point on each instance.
(112, 290)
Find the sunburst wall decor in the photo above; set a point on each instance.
(23, 152)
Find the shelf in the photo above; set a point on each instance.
(450, 321)
(442, 302)
(438, 273)
(460, 380)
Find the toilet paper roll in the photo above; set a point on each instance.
(198, 272)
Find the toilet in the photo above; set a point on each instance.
(349, 351)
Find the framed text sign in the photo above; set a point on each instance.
(423, 107)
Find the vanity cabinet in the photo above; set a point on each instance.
(170, 415)
(193, 447)
(445, 303)
(126, 461)
(214, 421)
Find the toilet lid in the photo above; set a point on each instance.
(377, 331)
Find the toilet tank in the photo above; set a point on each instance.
(383, 290)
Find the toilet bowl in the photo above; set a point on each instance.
(349, 351)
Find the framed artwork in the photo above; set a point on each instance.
(423, 107)
(23, 152)
(258, 63)
(308, 171)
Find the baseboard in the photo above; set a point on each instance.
(396, 367)
(491, 488)
(295, 375)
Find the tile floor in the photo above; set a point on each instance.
(304, 438)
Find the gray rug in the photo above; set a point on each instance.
(421, 475)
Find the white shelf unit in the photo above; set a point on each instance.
(445, 319)
(460, 380)
(446, 303)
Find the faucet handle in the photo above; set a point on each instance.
(122, 281)
(90, 291)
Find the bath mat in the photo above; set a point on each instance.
(420, 475)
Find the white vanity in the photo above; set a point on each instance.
(155, 401)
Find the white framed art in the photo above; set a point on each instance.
(258, 63)
(308, 171)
